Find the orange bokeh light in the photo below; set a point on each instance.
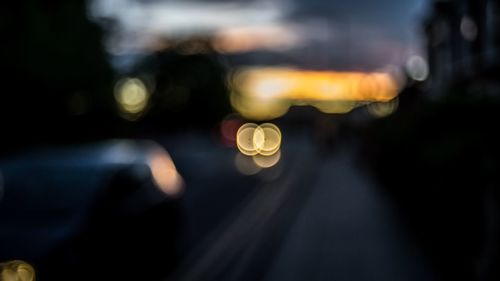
(264, 93)
(293, 84)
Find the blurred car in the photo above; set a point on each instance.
(91, 212)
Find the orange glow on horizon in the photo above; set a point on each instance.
(296, 84)
(266, 93)
(245, 39)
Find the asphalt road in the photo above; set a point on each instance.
(316, 216)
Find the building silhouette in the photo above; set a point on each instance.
(462, 39)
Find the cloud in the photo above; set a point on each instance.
(344, 32)
(186, 17)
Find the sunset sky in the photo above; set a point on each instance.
(324, 34)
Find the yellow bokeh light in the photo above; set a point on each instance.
(252, 139)
(16, 271)
(383, 109)
(245, 139)
(259, 109)
(272, 139)
(259, 138)
(265, 162)
(266, 93)
(335, 106)
(270, 88)
(132, 97)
